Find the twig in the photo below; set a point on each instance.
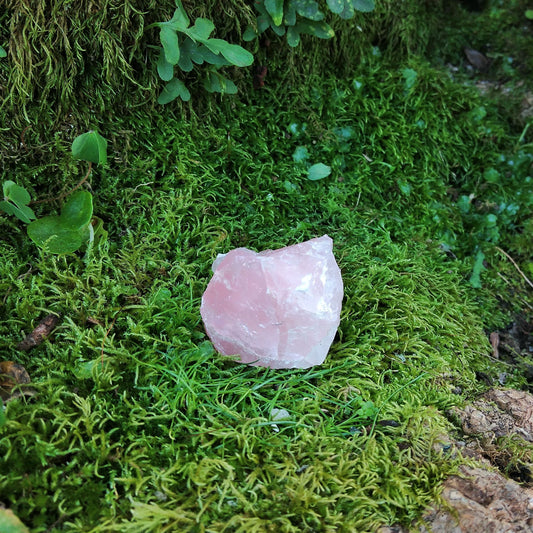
(528, 281)
(65, 194)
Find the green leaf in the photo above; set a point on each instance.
(77, 211)
(234, 53)
(335, 6)
(318, 171)
(172, 90)
(317, 29)
(293, 37)
(348, 12)
(9, 523)
(17, 194)
(528, 13)
(249, 34)
(164, 68)
(365, 6)
(189, 53)
(90, 146)
(16, 200)
(65, 233)
(308, 9)
(169, 40)
(275, 10)
(212, 58)
(201, 30)
(180, 20)
(300, 155)
(3, 52)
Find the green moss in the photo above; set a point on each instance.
(138, 425)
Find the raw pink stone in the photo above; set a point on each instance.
(277, 308)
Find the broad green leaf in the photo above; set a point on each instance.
(290, 13)
(278, 30)
(17, 194)
(293, 37)
(275, 10)
(16, 200)
(336, 6)
(365, 6)
(65, 233)
(90, 146)
(201, 30)
(180, 20)
(164, 68)
(308, 9)
(317, 29)
(212, 58)
(77, 211)
(318, 171)
(189, 54)
(169, 40)
(3, 52)
(9, 522)
(263, 23)
(172, 90)
(529, 15)
(50, 233)
(249, 34)
(234, 53)
(22, 212)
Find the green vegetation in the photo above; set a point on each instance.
(136, 423)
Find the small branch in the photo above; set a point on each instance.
(65, 194)
(528, 281)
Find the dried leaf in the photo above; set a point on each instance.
(37, 336)
(12, 375)
(495, 342)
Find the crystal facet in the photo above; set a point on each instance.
(277, 308)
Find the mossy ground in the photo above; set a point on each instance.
(138, 425)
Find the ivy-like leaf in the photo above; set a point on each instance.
(90, 146)
(169, 40)
(172, 90)
(365, 6)
(201, 30)
(164, 68)
(234, 53)
(179, 20)
(275, 10)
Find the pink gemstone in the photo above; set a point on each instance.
(277, 308)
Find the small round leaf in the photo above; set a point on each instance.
(318, 171)
(90, 146)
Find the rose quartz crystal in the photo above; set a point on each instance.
(277, 308)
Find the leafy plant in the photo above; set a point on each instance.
(295, 17)
(3, 52)
(67, 232)
(15, 202)
(185, 46)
